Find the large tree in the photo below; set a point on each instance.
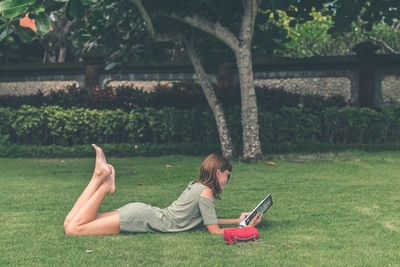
(232, 23)
(160, 31)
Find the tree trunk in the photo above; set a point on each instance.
(227, 147)
(251, 138)
(62, 54)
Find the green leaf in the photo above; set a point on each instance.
(12, 4)
(38, 9)
(53, 5)
(42, 22)
(14, 12)
(5, 31)
(110, 66)
(12, 43)
(74, 9)
(26, 34)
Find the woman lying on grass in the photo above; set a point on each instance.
(195, 205)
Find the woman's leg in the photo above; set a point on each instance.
(101, 171)
(87, 222)
(108, 225)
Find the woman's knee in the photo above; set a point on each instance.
(66, 223)
(72, 229)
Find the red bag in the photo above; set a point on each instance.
(237, 235)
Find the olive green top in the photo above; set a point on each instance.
(185, 213)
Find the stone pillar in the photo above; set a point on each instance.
(225, 75)
(355, 85)
(92, 65)
(368, 95)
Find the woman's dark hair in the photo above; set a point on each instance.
(208, 172)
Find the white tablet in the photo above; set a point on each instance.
(262, 207)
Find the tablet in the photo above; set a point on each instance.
(262, 207)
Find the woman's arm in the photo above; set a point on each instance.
(234, 221)
(215, 229)
(228, 221)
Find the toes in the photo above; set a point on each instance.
(97, 148)
(111, 168)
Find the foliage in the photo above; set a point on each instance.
(368, 12)
(114, 32)
(107, 21)
(184, 95)
(55, 125)
(386, 36)
(168, 125)
(312, 38)
(383, 15)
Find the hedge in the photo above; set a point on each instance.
(53, 125)
(183, 95)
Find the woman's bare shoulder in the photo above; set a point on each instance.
(207, 193)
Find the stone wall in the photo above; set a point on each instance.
(326, 76)
(323, 86)
(32, 87)
(390, 88)
(146, 86)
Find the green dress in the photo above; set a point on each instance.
(185, 213)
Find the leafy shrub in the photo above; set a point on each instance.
(28, 125)
(74, 126)
(296, 124)
(183, 95)
(6, 119)
(349, 124)
(391, 113)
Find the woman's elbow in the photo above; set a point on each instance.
(218, 231)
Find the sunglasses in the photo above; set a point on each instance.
(229, 176)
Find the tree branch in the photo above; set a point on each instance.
(149, 24)
(396, 35)
(207, 26)
(384, 44)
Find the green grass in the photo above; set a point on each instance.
(328, 211)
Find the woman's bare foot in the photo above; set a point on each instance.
(101, 168)
(110, 180)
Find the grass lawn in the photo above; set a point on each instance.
(328, 211)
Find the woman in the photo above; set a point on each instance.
(194, 206)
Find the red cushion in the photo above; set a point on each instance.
(236, 235)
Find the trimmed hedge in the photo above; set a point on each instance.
(53, 125)
(183, 95)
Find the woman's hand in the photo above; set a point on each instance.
(256, 220)
(242, 216)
